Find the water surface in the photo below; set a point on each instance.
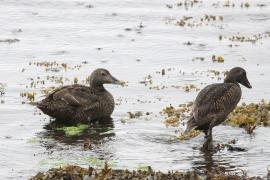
(132, 39)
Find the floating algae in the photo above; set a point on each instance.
(188, 4)
(251, 115)
(74, 130)
(54, 66)
(136, 114)
(186, 136)
(173, 114)
(246, 38)
(30, 96)
(173, 119)
(93, 161)
(188, 21)
(32, 140)
(53, 162)
(218, 59)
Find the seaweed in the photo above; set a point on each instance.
(74, 130)
(174, 114)
(249, 116)
(72, 172)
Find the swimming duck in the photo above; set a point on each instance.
(79, 103)
(215, 102)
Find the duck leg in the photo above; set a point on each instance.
(208, 146)
(205, 132)
(209, 134)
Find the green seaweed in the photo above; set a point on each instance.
(74, 130)
(53, 163)
(143, 167)
(32, 140)
(93, 161)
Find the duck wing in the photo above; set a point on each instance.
(216, 100)
(74, 95)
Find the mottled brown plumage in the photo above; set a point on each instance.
(78, 103)
(215, 102)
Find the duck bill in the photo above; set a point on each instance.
(246, 83)
(116, 81)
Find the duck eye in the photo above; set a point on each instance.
(103, 74)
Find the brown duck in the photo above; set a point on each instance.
(78, 103)
(215, 102)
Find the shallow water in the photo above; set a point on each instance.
(68, 31)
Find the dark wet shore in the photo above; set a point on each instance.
(78, 173)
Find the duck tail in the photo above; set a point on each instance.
(40, 105)
(37, 103)
(190, 124)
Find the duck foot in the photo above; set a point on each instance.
(237, 149)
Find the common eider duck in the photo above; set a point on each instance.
(79, 103)
(216, 101)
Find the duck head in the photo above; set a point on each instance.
(102, 76)
(238, 75)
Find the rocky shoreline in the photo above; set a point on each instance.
(73, 172)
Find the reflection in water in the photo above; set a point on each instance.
(210, 161)
(98, 132)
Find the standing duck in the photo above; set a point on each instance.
(216, 101)
(78, 103)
